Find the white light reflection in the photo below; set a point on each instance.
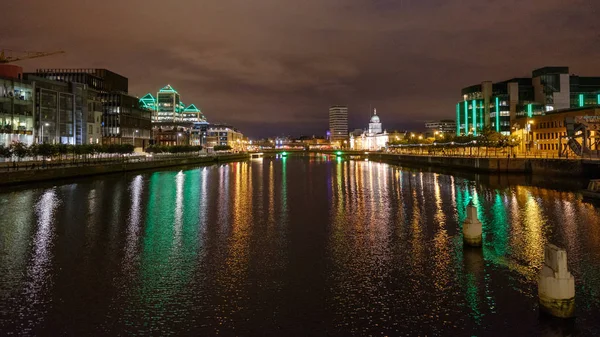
(39, 270)
(179, 179)
(133, 227)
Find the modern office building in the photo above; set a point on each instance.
(101, 80)
(224, 134)
(338, 124)
(173, 122)
(104, 111)
(125, 120)
(59, 111)
(94, 117)
(17, 99)
(499, 105)
(441, 127)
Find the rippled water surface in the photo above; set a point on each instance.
(288, 247)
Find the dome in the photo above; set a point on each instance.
(375, 119)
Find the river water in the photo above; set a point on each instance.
(289, 247)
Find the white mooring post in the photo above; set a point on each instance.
(556, 285)
(472, 227)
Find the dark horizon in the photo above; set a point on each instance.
(270, 68)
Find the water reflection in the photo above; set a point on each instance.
(288, 246)
(134, 220)
(39, 278)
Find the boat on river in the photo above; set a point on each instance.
(593, 189)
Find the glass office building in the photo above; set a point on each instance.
(499, 105)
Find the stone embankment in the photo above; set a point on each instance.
(36, 175)
(566, 167)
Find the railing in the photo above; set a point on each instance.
(482, 154)
(68, 161)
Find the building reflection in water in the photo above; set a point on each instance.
(361, 247)
(134, 221)
(39, 272)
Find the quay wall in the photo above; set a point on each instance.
(36, 175)
(566, 167)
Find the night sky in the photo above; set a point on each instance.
(273, 67)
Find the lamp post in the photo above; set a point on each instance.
(529, 134)
(136, 131)
(46, 124)
(178, 135)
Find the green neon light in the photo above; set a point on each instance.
(481, 109)
(284, 154)
(474, 112)
(148, 97)
(580, 100)
(168, 88)
(458, 118)
(466, 118)
(339, 153)
(598, 101)
(529, 110)
(497, 114)
(192, 108)
(148, 102)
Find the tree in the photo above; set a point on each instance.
(45, 150)
(222, 148)
(62, 150)
(19, 149)
(126, 149)
(5, 152)
(489, 137)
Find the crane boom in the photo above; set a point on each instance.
(25, 55)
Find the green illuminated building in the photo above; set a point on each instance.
(173, 122)
(499, 105)
(169, 109)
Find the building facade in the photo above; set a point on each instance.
(125, 120)
(104, 112)
(499, 105)
(443, 126)
(338, 124)
(17, 122)
(223, 134)
(174, 123)
(373, 139)
(568, 132)
(59, 111)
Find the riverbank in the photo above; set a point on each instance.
(535, 166)
(587, 168)
(55, 173)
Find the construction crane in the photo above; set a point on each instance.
(24, 55)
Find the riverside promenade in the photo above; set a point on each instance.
(28, 172)
(547, 166)
(576, 167)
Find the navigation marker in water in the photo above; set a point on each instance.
(472, 227)
(556, 285)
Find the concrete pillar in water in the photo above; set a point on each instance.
(472, 227)
(556, 285)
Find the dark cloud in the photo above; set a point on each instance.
(273, 67)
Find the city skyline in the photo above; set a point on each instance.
(253, 75)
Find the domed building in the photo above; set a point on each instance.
(374, 139)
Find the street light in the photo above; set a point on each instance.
(529, 134)
(178, 135)
(136, 131)
(46, 124)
